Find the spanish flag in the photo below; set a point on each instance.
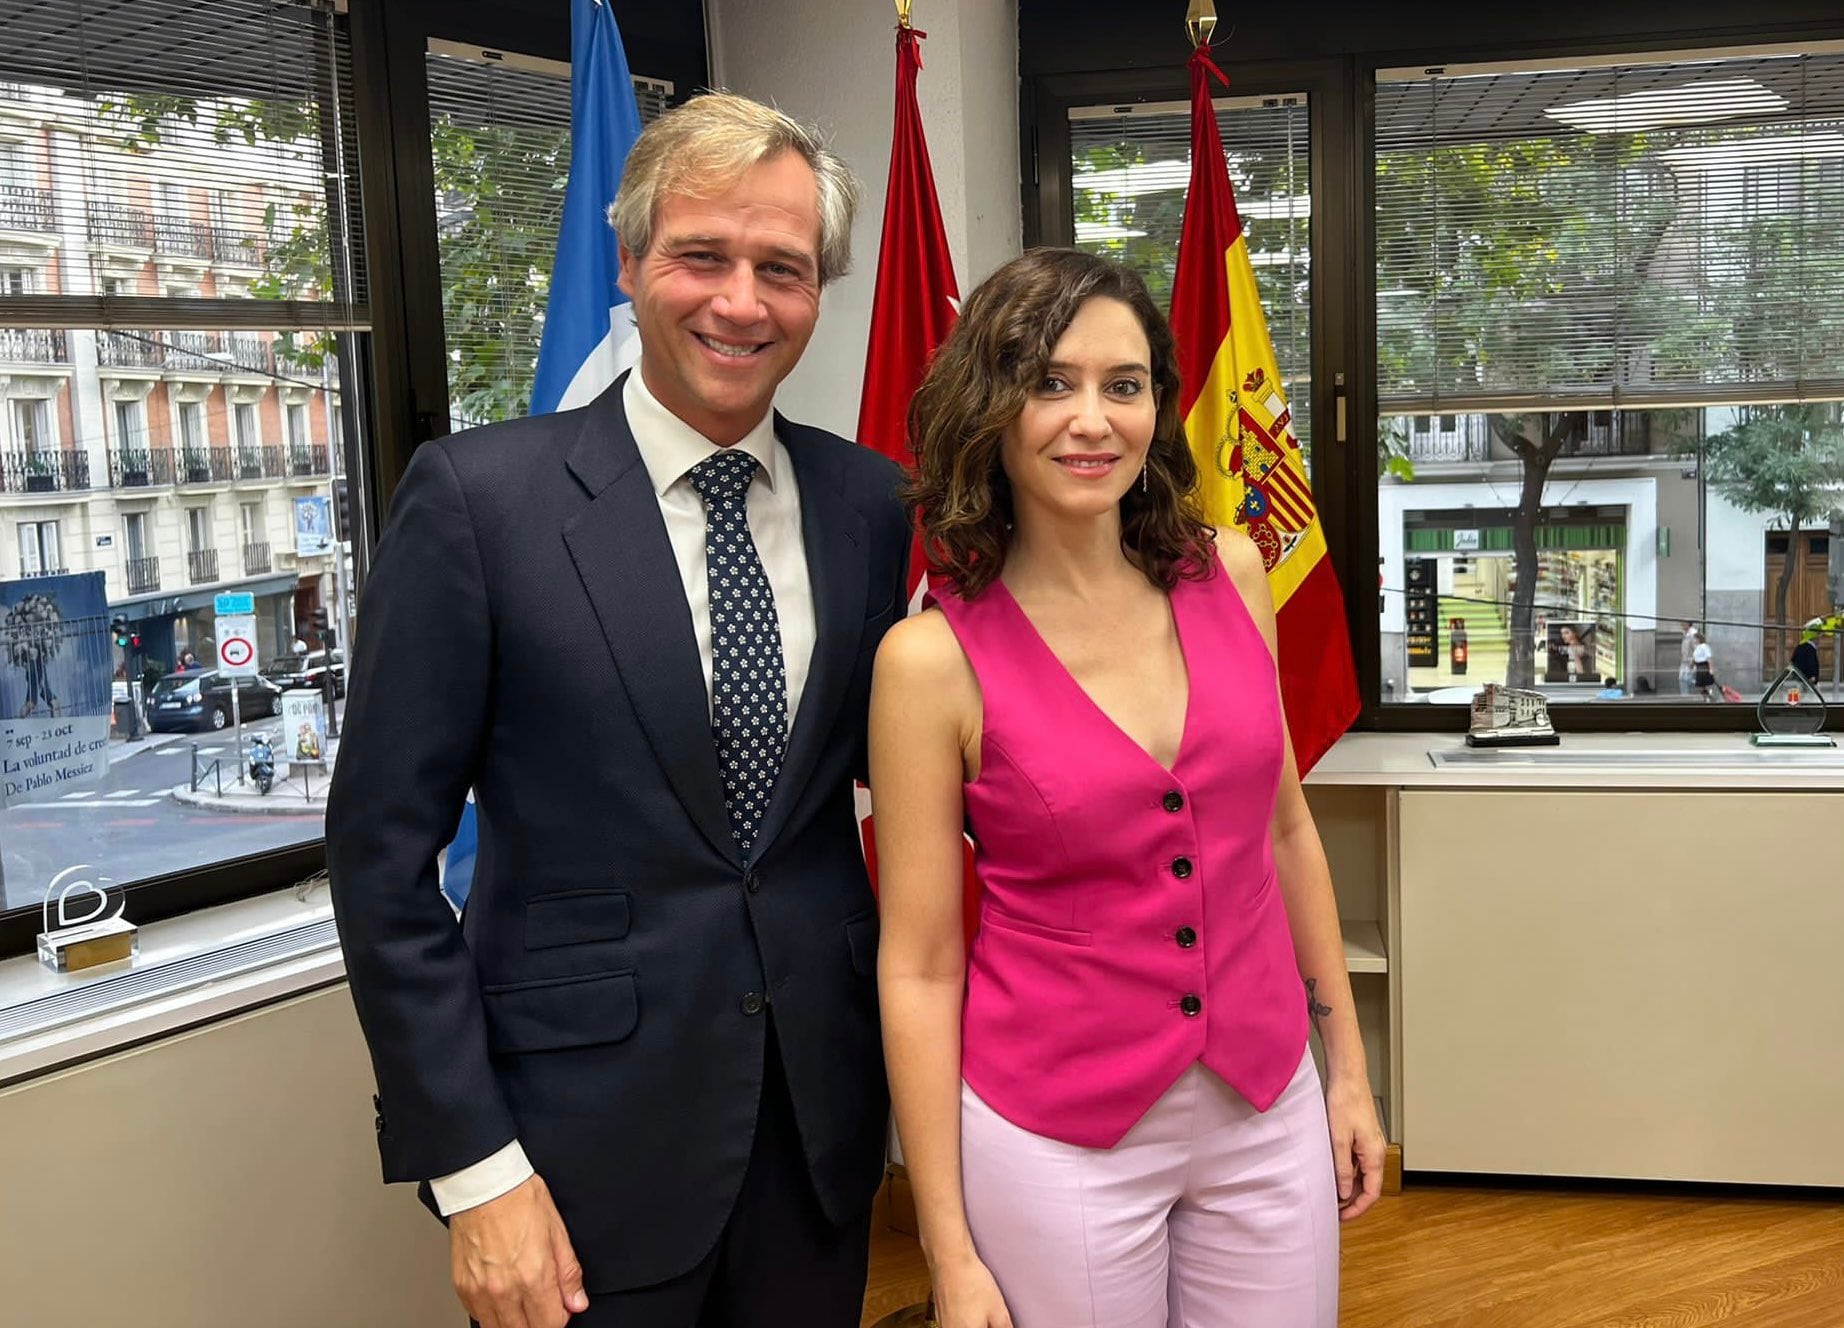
(1250, 470)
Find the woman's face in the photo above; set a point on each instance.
(1081, 439)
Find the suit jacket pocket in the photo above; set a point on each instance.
(571, 917)
(861, 936)
(554, 1013)
(994, 917)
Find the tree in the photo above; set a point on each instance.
(1788, 462)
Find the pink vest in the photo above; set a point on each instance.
(1129, 920)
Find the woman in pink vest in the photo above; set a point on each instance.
(1108, 1110)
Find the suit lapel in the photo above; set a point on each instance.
(622, 553)
(836, 541)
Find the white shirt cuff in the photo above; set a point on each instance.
(486, 1180)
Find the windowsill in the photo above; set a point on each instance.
(1700, 762)
(190, 998)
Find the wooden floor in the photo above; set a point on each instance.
(1441, 1257)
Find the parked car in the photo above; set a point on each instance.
(201, 699)
(308, 670)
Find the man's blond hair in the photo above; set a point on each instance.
(703, 147)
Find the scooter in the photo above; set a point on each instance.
(262, 763)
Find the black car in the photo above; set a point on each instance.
(310, 670)
(201, 699)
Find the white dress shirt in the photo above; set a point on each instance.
(669, 448)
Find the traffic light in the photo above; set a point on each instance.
(323, 627)
(123, 633)
(342, 509)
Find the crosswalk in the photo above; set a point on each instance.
(114, 798)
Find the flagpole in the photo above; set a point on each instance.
(1200, 22)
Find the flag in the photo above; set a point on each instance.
(1250, 469)
(588, 324)
(589, 335)
(912, 311)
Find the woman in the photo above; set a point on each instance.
(1108, 1113)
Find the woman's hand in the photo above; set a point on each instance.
(967, 1297)
(1357, 1145)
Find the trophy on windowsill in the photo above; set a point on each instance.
(81, 940)
(1510, 717)
(1791, 712)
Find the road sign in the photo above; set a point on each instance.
(237, 643)
(234, 603)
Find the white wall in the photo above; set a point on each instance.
(834, 65)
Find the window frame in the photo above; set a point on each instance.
(1342, 96)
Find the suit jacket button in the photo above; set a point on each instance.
(752, 1003)
(380, 1124)
(1186, 938)
(1181, 868)
(1190, 1005)
(1173, 801)
(752, 882)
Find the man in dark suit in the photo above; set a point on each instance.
(641, 1078)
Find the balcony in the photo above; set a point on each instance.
(139, 468)
(250, 353)
(37, 345)
(129, 350)
(206, 465)
(236, 248)
(202, 566)
(307, 459)
(143, 576)
(23, 208)
(44, 472)
(27, 573)
(256, 560)
(192, 350)
(177, 238)
(117, 227)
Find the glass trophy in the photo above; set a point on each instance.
(89, 928)
(1792, 713)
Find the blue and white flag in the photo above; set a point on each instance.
(589, 334)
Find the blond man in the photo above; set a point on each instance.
(641, 1077)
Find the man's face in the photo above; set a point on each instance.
(727, 294)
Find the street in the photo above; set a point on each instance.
(127, 828)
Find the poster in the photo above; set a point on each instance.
(304, 730)
(313, 526)
(1570, 653)
(57, 661)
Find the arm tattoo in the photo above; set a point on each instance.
(1314, 1006)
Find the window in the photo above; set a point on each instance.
(131, 425)
(174, 117)
(250, 521)
(40, 553)
(297, 426)
(134, 535)
(32, 426)
(191, 415)
(1625, 281)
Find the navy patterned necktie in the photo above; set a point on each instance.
(749, 694)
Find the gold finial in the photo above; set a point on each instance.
(1201, 21)
(902, 13)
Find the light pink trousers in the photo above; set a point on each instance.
(1208, 1214)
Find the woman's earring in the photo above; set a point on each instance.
(1144, 487)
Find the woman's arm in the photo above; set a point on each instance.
(925, 719)
(1318, 944)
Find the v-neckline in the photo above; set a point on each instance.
(1184, 733)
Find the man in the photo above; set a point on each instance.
(1687, 646)
(642, 633)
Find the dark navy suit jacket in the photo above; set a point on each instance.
(525, 633)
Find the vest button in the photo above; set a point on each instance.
(1191, 1006)
(752, 1003)
(1181, 868)
(1174, 801)
(1186, 938)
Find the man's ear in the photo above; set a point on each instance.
(630, 264)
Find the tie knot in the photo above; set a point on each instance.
(723, 477)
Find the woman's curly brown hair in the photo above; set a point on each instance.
(977, 385)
